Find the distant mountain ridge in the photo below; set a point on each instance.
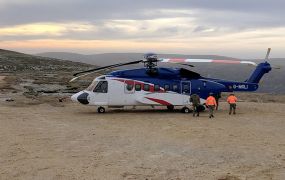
(111, 58)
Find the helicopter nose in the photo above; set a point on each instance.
(74, 97)
(81, 97)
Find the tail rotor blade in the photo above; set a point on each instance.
(267, 54)
(276, 67)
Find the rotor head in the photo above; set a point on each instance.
(152, 57)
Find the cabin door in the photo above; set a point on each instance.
(186, 91)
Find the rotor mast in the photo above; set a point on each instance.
(150, 63)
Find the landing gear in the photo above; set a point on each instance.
(101, 109)
(170, 107)
(185, 110)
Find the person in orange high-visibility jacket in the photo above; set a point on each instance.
(232, 100)
(211, 104)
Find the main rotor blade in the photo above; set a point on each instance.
(190, 65)
(107, 67)
(73, 79)
(178, 60)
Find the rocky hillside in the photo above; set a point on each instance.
(15, 62)
(36, 76)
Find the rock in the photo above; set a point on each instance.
(9, 100)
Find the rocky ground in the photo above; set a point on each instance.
(43, 138)
(55, 140)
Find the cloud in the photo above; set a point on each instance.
(203, 26)
(88, 10)
(44, 30)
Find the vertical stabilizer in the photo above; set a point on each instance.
(260, 70)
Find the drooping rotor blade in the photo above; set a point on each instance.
(85, 73)
(73, 79)
(267, 54)
(108, 67)
(178, 60)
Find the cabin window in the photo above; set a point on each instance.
(166, 87)
(129, 87)
(186, 88)
(156, 87)
(175, 87)
(138, 87)
(101, 87)
(146, 87)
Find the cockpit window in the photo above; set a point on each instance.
(102, 87)
(92, 85)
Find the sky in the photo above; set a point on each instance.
(237, 28)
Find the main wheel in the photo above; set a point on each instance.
(170, 107)
(185, 110)
(101, 109)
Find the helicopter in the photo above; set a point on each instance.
(161, 86)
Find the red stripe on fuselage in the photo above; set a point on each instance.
(162, 102)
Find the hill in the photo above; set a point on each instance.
(271, 83)
(11, 61)
(36, 76)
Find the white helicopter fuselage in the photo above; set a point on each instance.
(118, 92)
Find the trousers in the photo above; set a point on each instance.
(232, 108)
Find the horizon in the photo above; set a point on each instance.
(228, 28)
(179, 54)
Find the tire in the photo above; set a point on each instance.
(185, 110)
(101, 110)
(170, 107)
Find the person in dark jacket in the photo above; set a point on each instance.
(217, 97)
(195, 99)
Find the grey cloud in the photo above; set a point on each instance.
(88, 10)
(224, 16)
(200, 29)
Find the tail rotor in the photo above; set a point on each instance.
(267, 54)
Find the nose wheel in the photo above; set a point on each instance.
(101, 109)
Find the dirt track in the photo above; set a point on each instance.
(74, 142)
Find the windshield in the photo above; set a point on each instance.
(92, 85)
(101, 87)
